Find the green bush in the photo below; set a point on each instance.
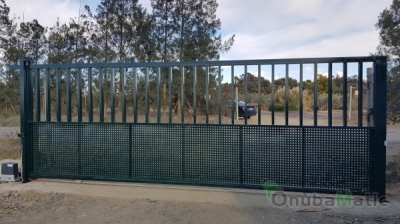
(282, 107)
(277, 107)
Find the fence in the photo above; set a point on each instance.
(176, 124)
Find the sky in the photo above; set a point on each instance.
(264, 29)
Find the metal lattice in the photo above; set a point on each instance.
(311, 158)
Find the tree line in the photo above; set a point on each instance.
(116, 31)
(266, 85)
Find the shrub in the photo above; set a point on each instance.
(277, 107)
(294, 99)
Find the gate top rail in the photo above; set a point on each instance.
(211, 63)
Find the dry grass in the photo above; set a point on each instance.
(393, 170)
(10, 149)
(294, 98)
(9, 120)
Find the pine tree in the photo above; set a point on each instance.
(389, 29)
(11, 50)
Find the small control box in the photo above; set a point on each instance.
(9, 172)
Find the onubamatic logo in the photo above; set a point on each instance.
(279, 198)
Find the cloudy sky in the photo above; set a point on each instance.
(264, 29)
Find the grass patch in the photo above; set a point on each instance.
(7, 120)
(10, 149)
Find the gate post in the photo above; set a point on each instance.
(379, 119)
(26, 113)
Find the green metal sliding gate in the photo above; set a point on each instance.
(203, 150)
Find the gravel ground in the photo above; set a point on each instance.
(36, 207)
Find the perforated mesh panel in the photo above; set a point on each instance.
(55, 148)
(337, 158)
(272, 154)
(157, 151)
(313, 158)
(104, 149)
(212, 154)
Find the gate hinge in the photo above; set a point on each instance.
(21, 135)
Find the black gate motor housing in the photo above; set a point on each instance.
(9, 172)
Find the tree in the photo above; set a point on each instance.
(252, 84)
(33, 35)
(281, 83)
(188, 30)
(393, 95)
(59, 47)
(389, 31)
(11, 49)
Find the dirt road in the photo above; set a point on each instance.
(49, 202)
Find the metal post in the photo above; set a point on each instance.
(26, 113)
(379, 118)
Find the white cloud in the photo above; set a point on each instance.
(291, 28)
(45, 11)
(264, 29)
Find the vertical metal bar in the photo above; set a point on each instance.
(183, 152)
(48, 97)
(241, 154)
(345, 94)
(273, 94)
(112, 95)
(360, 94)
(58, 92)
(170, 94)
(79, 95)
(219, 95)
(315, 94)
(182, 95)
(26, 114)
(207, 94)
(245, 94)
(303, 157)
(135, 90)
(80, 126)
(330, 94)
(101, 80)
(90, 91)
(301, 95)
(259, 94)
(194, 93)
(146, 98)
(30, 118)
(232, 103)
(38, 107)
(69, 107)
(130, 150)
(123, 77)
(287, 95)
(379, 117)
(24, 67)
(158, 95)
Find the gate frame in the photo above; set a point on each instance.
(378, 150)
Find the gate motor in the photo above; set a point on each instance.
(9, 172)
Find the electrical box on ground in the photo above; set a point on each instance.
(9, 172)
